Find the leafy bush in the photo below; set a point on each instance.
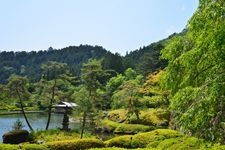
(154, 101)
(132, 128)
(218, 147)
(18, 125)
(122, 128)
(152, 117)
(55, 135)
(16, 137)
(110, 148)
(120, 141)
(34, 147)
(110, 125)
(118, 115)
(156, 117)
(143, 139)
(75, 144)
(190, 143)
(9, 147)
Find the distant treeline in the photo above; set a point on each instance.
(144, 60)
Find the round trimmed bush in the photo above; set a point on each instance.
(143, 139)
(120, 141)
(9, 147)
(15, 137)
(75, 144)
(34, 147)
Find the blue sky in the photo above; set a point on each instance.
(117, 25)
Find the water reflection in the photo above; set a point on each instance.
(37, 120)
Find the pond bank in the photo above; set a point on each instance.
(19, 112)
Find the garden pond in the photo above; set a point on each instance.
(37, 120)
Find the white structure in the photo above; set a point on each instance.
(66, 104)
(62, 106)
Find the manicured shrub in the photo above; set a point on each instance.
(122, 128)
(75, 144)
(152, 117)
(218, 147)
(118, 115)
(154, 101)
(15, 137)
(116, 148)
(143, 139)
(156, 117)
(132, 128)
(34, 147)
(109, 148)
(55, 135)
(120, 141)
(110, 125)
(190, 143)
(9, 147)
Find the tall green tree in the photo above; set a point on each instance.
(91, 76)
(51, 73)
(17, 88)
(195, 74)
(85, 107)
(126, 92)
(88, 98)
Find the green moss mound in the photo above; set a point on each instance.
(132, 128)
(116, 148)
(190, 143)
(75, 144)
(118, 115)
(143, 139)
(23, 147)
(55, 135)
(9, 147)
(34, 147)
(110, 148)
(151, 117)
(110, 125)
(123, 128)
(120, 141)
(155, 117)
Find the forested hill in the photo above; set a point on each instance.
(145, 60)
(28, 63)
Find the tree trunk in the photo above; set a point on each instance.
(23, 112)
(50, 105)
(83, 124)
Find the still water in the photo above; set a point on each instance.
(37, 120)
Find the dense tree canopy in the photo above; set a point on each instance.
(195, 74)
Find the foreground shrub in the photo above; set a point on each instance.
(154, 101)
(55, 135)
(156, 117)
(34, 147)
(123, 128)
(151, 117)
(9, 147)
(218, 147)
(143, 139)
(110, 148)
(110, 125)
(120, 141)
(190, 143)
(75, 144)
(132, 128)
(15, 137)
(118, 115)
